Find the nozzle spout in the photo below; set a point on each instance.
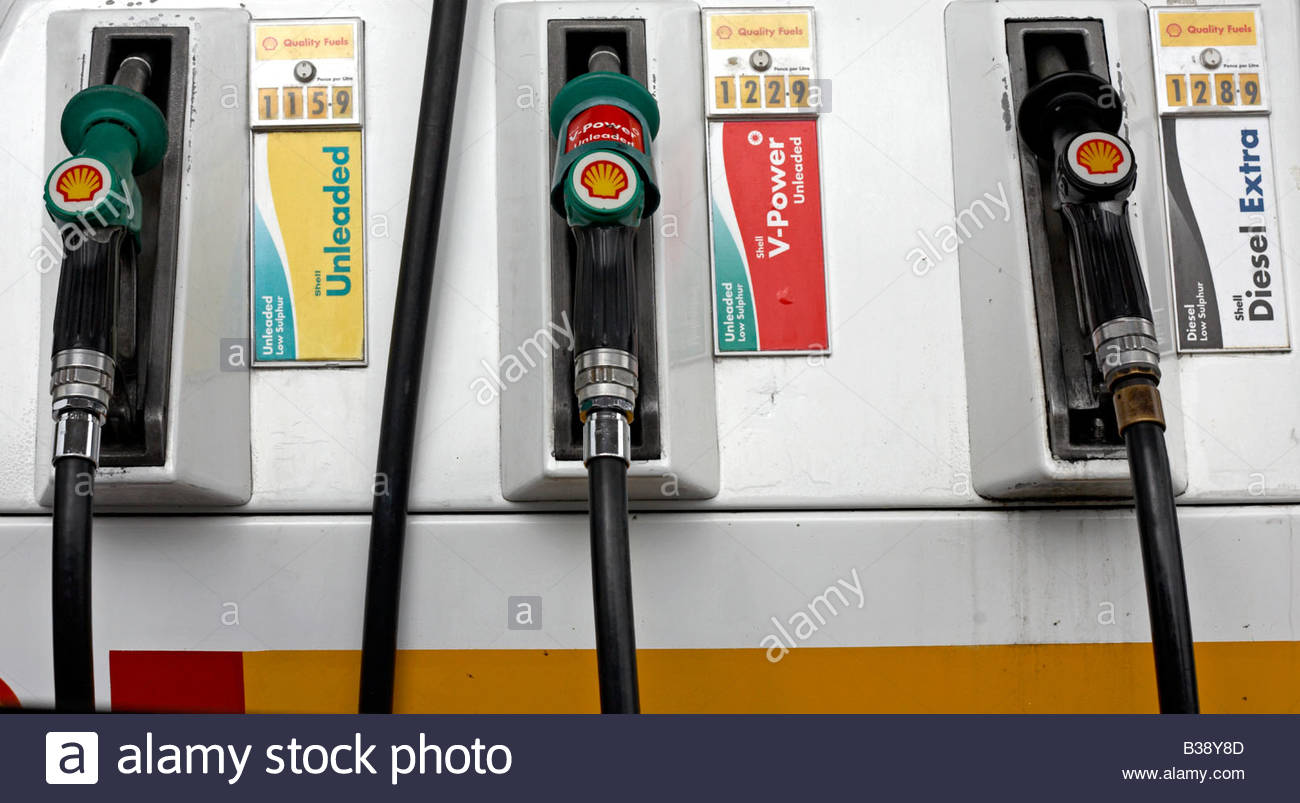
(604, 59)
(134, 73)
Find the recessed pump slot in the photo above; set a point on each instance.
(569, 43)
(135, 433)
(1080, 411)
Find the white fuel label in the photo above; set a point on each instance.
(1212, 88)
(1209, 60)
(760, 62)
(1229, 291)
(305, 73)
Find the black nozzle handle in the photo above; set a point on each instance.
(604, 289)
(1108, 273)
(85, 312)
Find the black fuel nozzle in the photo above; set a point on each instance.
(83, 366)
(114, 132)
(1070, 119)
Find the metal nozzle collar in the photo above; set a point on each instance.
(607, 433)
(77, 434)
(1126, 344)
(81, 379)
(610, 373)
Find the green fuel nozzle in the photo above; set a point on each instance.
(604, 185)
(604, 122)
(114, 133)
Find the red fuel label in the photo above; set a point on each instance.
(769, 268)
(604, 124)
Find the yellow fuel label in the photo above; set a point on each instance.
(309, 248)
(1210, 60)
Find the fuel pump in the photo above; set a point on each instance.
(1070, 119)
(604, 185)
(114, 133)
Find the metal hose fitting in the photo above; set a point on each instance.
(605, 379)
(606, 433)
(81, 385)
(1123, 345)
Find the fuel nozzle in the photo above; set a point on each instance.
(1071, 119)
(114, 133)
(604, 185)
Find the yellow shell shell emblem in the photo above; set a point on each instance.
(604, 179)
(1099, 156)
(79, 183)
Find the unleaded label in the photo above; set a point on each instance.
(769, 266)
(308, 248)
(604, 124)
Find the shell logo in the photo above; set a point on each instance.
(604, 179)
(7, 697)
(1099, 156)
(79, 183)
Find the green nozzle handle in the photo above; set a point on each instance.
(604, 123)
(114, 133)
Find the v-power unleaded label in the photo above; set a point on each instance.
(769, 266)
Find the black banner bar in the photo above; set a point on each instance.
(651, 758)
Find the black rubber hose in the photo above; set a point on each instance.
(74, 655)
(611, 580)
(1162, 561)
(406, 356)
